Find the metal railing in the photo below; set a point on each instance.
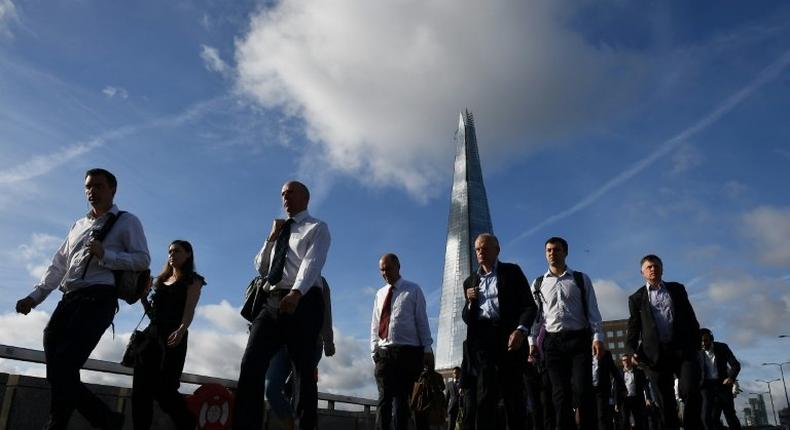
(36, 356)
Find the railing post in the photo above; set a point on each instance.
(330, 405)
(8, 400)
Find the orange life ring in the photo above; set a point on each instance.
(212, 405)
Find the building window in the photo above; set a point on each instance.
(609, 333)
(611, 345)
(621, 344)
(619, 333)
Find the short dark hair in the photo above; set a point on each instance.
(557, 241)
(651, 258)
(456, 369)
(704, 331)
(106, 173)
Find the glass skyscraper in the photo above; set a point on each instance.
(469, 217)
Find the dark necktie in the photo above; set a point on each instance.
(280, 251)
(384, 319)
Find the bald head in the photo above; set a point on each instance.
(295, 197)
(389, 266)
(486, 250)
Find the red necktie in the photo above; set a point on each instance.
(384, 319)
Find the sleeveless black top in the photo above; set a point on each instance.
(167, 302)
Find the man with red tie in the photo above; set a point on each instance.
(400, 342)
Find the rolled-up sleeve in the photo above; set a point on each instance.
(134, 255)
(421, 318)
(593, 315)
(310, 269)
(54, 274)
(263, 258)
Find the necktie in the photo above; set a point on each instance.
(384, 319)
(280, 250)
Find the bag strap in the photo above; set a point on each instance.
(538, 295)
(103, 232)
(578, 279)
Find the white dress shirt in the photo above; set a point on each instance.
(562, 305)
(630, 382)
(408, 317)
(125, 248)
(709, 371)
(308, 246)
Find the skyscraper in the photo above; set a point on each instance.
(469, 217)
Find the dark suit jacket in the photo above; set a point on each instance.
(606, 372)
(451, 389)
(516, 305)
(642, 389)
(724, 357)
(642, 338)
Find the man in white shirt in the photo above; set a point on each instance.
(82, 268)
(291, 261)
(400, 343)
(574, 333)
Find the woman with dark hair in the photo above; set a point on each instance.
(157, 372)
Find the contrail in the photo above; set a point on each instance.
(43, 164)
(724, 108)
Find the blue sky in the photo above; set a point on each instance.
(626, 128)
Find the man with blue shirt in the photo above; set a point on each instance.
(569, 311)
(400, 343)
(498, 313)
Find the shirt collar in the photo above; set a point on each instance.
(301, 216)
(660, 286)
(397, 283)
(567, 272)
(493, 269)
(113, 210)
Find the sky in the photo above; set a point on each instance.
(627, 128)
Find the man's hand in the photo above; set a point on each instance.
(597, 348)
(728, 381)
(96, 248)
(635, 360)
(289, 303)
(648, 403)
(329, 349)
(427, 358)
(617, 408)
(471, 293)
(533, 351)
(515, 340)
(175, 337)
(277, 225)
(24, 306)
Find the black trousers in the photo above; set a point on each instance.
(685, 365)
(603, 409)
(73, 331)
(452, 415)
(397, 368)
(568, 358)
(268, 333)
(157, 376)
(500, 376)
(717, 398)
(634, 406)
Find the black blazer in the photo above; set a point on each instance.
(724, 357)
(516, 305)
(642, 388)
(608, 371)
(642, 337)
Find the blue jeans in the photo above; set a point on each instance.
(279, 369)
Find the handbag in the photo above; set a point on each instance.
(135, 346)
(254, 298)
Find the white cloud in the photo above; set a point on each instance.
(612, 299)
(36, 255)
(223, 315)
(7, 14)
(761, 305)
(111, 92)
(350, 370)
(212, 60)
(380, 85)
(769, 227)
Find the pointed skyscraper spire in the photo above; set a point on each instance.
(469, 217)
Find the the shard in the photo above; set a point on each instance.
(469, 216)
